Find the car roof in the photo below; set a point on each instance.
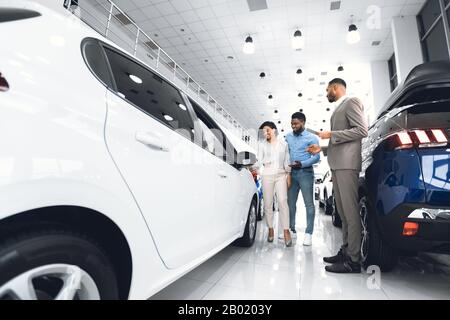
(425, 83)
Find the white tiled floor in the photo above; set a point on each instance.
(271, 272)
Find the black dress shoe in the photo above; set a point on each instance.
(340, 257)
(347, 266)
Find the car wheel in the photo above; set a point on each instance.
(248, 238)
(374, 251)
(321, 203)
(328, 205)
(335, 218)
(55, 265)
(261, 210)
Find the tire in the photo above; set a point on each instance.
(261, 210)
(335, 218)
(374, 250)
(45, 258)
(321, 203)
(328, 206)
(248, 238)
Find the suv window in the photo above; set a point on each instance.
(150, 93)
(95, 59)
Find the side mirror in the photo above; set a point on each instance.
(246, 159)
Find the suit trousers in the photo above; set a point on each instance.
(345, 187)
(271, 185)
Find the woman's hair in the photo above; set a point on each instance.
(269, 124)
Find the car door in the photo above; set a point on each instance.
(230, 194)
(149, 132)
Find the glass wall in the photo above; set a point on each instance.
(435, 30)
(393, 72)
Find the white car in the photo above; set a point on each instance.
(113, 182)
(324, 192)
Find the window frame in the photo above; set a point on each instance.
(196, 107)
(113, 87)
(446, 24)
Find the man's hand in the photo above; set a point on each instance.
(325, 135)
(314, 149)
(296, 165)
(289, 181)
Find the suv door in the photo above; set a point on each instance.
(149, 132)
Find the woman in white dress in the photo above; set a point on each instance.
(273, 162)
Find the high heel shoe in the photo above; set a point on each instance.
(271, 236)
(287, 235)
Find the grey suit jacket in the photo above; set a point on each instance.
(349, 127)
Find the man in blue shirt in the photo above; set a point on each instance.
(302, 173)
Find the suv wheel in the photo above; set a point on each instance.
(55, 265)
(374, 251)
(248, 238)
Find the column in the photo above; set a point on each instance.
(407, 47)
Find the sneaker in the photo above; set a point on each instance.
(347, 266)
(340, 257)
(307, 240)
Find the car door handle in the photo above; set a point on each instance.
(222, 174)
(151, 140)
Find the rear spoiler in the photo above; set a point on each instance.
(426, 82)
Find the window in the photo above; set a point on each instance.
(213, 139)
(393, 73)
(150, 93)
(435, 30)
(429, 14)
(95, 59)
(436, 44)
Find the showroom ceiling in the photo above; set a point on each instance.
(206, 38)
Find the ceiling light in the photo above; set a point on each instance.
(168, 118)
(270, 101)
(298, 41)
(262, 75)
(341, 68)
(135, 78)
(182, 106)
(353, 35)
(299, 75)
(300, 95)
(249, 46)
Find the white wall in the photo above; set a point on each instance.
(381, 88)
(408, 51)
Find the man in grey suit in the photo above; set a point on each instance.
(348, 128)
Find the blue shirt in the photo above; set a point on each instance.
(299, 144)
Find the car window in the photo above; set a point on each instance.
(213, 139)
(95, 59)
(150, 93)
